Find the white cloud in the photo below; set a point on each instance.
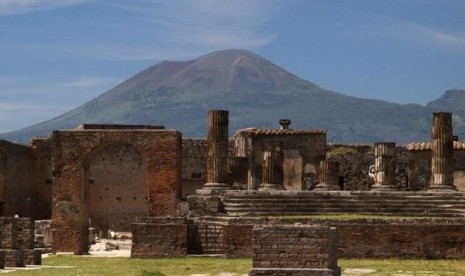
(171, 28)
(444, 38)
(89, 82)
(26, 6)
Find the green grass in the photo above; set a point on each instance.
(214, 266)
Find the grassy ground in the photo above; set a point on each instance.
(72, 265)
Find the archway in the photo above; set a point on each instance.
(117, 191)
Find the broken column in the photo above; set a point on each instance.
(217, 151)
(442, 163)
(329, 176)
(272, 174)
(385, 166)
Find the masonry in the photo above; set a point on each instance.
(17, 243)
(156, 150)
(294, 250)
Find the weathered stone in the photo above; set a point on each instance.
(329, 176)
(217, 150)
(294, 250)
(442, 162)
(272, 173)
(385, 166)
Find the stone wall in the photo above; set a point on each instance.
(303, 150)
(194, 164)
(407, 238)
(160, 237)
(294, 250)
(41, 190)
(17, 242)
(237, 240)
(117, 189)
(420, 168)
(355, 162)
(15, 179)
(73, 154)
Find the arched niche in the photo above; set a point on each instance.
(73, 154)
(116, 179)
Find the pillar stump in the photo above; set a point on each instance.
(442, 162)
(272, 175)
(385, 166)
(217, 152)
(329, 176)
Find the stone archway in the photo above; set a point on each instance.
(74, 150)
(116, 176)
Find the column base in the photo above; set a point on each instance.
(270, 187)
(442, 188)
(213, 189)
(381, 187)
(326, 187)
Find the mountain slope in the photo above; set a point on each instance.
(255, 91)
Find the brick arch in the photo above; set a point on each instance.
(160, 150)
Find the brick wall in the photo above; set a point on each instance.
(159, 237)
(237, 240)
(411, 238)
(15, 178)
(294, 250)
(73, 152)
(17, 242)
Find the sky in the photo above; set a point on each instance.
(58, 54)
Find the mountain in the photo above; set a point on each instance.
(256, 92)
(453, 100)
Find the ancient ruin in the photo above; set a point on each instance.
(272, 174)
(182, 196)
(294, 250)
(385, 166)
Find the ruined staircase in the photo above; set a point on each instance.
(418, 204)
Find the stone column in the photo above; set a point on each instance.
(238, 171)
(329, 176)
(217, 151)
(272, 174)
(442, 162)
(385, 166)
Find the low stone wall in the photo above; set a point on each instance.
(17, 242)
(294, 250)
(237, 240)
(407, 238)
(159, 237)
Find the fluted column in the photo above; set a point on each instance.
(217, 150)
(385, 166)
(237, 170)
(272, 174)
(442, 162)
(328, 176)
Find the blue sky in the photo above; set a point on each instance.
(57, 54)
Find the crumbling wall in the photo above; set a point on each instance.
(355, 162)
(294, 250)
(160, 237)
(117, 188)
(17, 242)
(420, 168)
(194, 165)
(41, 180)
(303, 150)
(15, 178)
(73, 152)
